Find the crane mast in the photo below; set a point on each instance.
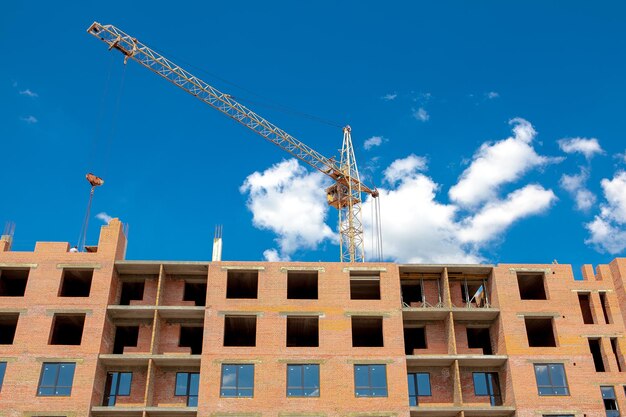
(346, 192)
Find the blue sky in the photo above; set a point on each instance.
(473, 110)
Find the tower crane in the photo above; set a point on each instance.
(347, 190)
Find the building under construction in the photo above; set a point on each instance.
(91, 333)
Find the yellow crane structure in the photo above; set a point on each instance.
(347, 191)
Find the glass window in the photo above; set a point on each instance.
(486, 384)
(551, 379)
(237, 380)
(187, 384)
(610, 401)
(419, 386)
(303, 380)
(56, 379)
(370, 380)
(117, 385)
(3, 368)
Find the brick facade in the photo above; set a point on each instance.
(146, 317)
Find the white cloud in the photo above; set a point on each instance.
(29, 119)
(621, 157)
(586, 146)
(492, 94)
(104, 217)
(608, 229)
(29, 93)
(400, 168)
(576, 186)
(497, 216)
(374, 141)
(390, 96)
(496, 164)
(290, 202)
(421, 114)
(417, 228)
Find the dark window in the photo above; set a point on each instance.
(551, 379)
(596, 353)
(411, 292)
(8, 326)
(367, 331)
(585, 307)
(486, 384)
(419, 386)
(414, 338)
(531, 286)
(302, 331)
(56, 379)
(67, 329)
(13, 282)
(616, 353)
(240, 331)
(303, 380)
(196, 292)
(191, 336)
(125, 336)
(187, 384)
(610, 401)
(364, 285)
(302, 285)
(117, 385)
(237, 381)
(131, 291)
(3, 369)
(479, 338)
(76, 283)
(370, 380)
(605, 307)
(242, 284)
(540, 332)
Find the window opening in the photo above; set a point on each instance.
(531, 286)
(187, 384)
(8, 326)
(302, 331)
(76, 283)
(240, 331)
(616, 353)
(370, 380)
(486, 384)
(242, 284)
(303, 380)
(117, 385)
(551, 379)
(56, 379)
(13, 282)
(367, 331)
(475, 293)
(196, 292)
(131, 291)
(596, 352)
(125, 336)
(610, 401)
(414, 338)
(364, 285)
(605, 307)
(302, 285)
(413, 293)
(479, 338)
(3, 369)
(191, 336)
(540, 332)
(237, 380)
(67, 329)
(585, 307)
(419, 386)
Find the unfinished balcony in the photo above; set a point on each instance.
(425, 343)
(470, 295)
(422, 296)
